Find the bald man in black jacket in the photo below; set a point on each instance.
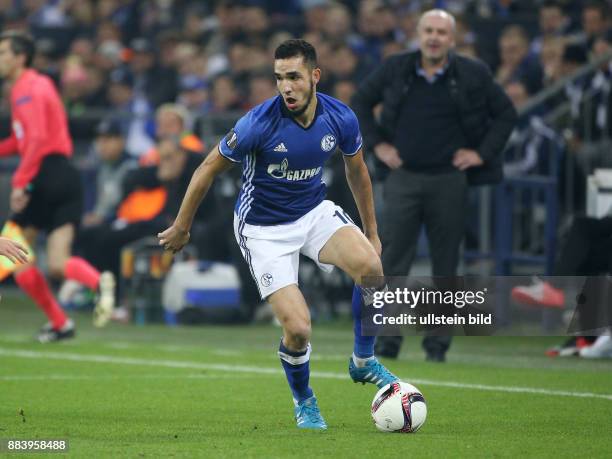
(443, 126)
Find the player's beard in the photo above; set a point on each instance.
(296, 113)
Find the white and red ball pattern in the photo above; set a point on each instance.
(399, 407)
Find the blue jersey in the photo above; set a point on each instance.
(282, 162)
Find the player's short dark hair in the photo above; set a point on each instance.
(297, 47)
(21, 43)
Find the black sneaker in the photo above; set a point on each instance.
(48, 334)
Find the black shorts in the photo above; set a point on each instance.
(56, 197)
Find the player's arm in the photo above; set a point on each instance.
(175, 237)
(35, 133)
(8, 146)
(358, 178)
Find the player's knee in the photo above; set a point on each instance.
(298, 335)
(369, 265)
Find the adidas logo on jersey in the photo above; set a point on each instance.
(280, 148)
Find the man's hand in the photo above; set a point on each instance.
(388, 154)
(375, 241)
(19, 199)
(465, 158)
(173, 238)
(13, 250)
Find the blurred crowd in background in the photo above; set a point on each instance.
(131, 56)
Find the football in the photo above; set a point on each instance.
(399, 407)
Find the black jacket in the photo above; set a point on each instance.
(146, 178)
(486, 114)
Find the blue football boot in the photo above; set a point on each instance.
(308, 416)
(374, 372)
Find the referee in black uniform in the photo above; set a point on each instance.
(443, 126)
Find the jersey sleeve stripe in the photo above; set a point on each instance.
(227, 157)
(355, 152)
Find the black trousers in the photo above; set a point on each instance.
(587, 249)
(439, 203)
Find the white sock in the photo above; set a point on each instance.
(359, 362)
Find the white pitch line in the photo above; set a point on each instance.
(108, 377)
(277, 371)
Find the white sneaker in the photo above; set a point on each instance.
(67, 291)
(600, 349)
(106, 300)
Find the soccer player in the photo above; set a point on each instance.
(281, 212)
(46, 192)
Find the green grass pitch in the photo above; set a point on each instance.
(154, 391)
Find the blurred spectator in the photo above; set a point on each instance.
(108, 55)
(255, 25)
(516, 64)
(112, 167)
(74, 85)
(193, 27)
(551, 59)
(152, 196)
(593, 144)
(552, 22)
(533, 147)
(186, 57)
(156, 84)
(45, 60)
(315, 12)
(108, 31)
(345, 64)
(227, 24)
(83, 47)
(167, 43)
(43, 13)
(82, 14)
(261, 88)
(338, 27)
(172, 121)
(122, 13)
(376, 24)
(490, 9)
(194, 95)
(574, 57)
(595, 21)
(134, 113)
(344, 90)
(407, 29)
(245, 59)
(81, 87)
(225, 96)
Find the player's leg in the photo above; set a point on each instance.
(291, 310)
(340, 243)
(272, 255)
(32, 281)
(62, 264)
(62, 183)
(361, 261)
